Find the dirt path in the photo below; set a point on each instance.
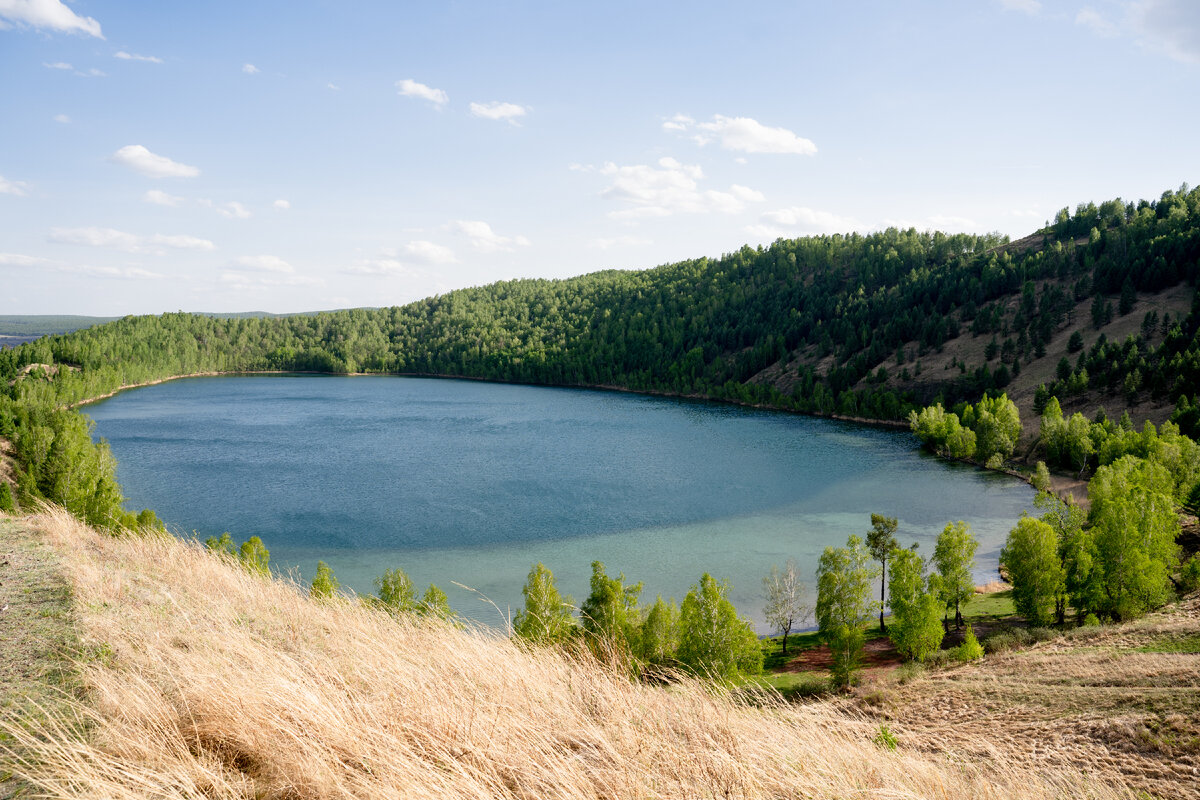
(36, 631)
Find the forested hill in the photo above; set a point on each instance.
(864, 325)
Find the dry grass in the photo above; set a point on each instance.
(1094, 701)
(205, 681)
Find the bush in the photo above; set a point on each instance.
(324, 585)
(6, 499)
(970, 649)
(1000, 643)
(1091, 621)
(909, 671)
(939, 658)
(1043, 634)
(885, 738)
(1189, 576)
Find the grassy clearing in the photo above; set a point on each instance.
(207, 681)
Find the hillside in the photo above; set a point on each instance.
(202, 680)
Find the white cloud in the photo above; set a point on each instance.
(124, 56)
(234, 210)
(430, 253)
(750, 136)
(56, 64)
(282, 205)
(116, 273)
(19, 260)
(250, 69)
(127, 242)
(48, 15)
(797, 220)
(17, 188)
(484, 239)
(618, 241)
(1171, 27)
(63, 118)
(669, 188)
(263, 264)
(96, 237)
(741, 134)
(180, 242)
(92, 73)
(1030, 7)
(333, 86)
(161, 198)
(679, 122)
(505, 111)
(410, 88)
(1097, 23)
(141, 160)
(241, 281)
(377, 267)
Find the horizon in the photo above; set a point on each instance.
(288, 157)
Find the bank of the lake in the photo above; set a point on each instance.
(470, 482)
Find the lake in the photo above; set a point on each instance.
(471, 483)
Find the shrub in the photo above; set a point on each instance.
(6, 499)
(1091, 621)
(1189, 576)
(1043, 634)
(970, 649)
(1000, 643)
(909, 671)
(885, 738)
(939, 658)
(324, 585)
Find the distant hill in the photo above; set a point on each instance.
(31, 326)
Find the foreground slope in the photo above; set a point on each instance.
(204, 680)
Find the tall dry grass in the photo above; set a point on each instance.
(204, 681)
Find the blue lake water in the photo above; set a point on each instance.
(471, 483)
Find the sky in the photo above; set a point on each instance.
(316, 154)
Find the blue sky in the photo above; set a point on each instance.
(232, 156)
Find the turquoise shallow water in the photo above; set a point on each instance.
(468, 482)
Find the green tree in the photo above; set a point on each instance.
(324, 584)
(713, 639)
(609, 614)
(916, 628)
(1030, 557)
(6, 499)
(255, 556)
(546, 618)
(881, 541)
(785, 593)
(396, 591)
(658, 636)
(844, 579)
(954, 556)
(1041, 477)
(434, 603)
(221, 544)
(1135, 525)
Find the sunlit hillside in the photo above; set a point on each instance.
(200, 679)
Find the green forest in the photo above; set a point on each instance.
(837, 324)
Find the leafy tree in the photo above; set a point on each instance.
(844, 579)
(221, 544)
(1041, 477)
(1031, 559)
(1135, 525)
(881, 541)
(1076, 553)
(396, 591)
(255, 556)
(658, 637)
(6, 499)
(713, 639)
(546, 618)
(954, 556)
(916, 628)
(324, 584)
(609, 613)
(434, 603)
(785, 595)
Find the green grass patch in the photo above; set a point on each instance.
(996, 605)
(795, 685)
(1188, 644)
